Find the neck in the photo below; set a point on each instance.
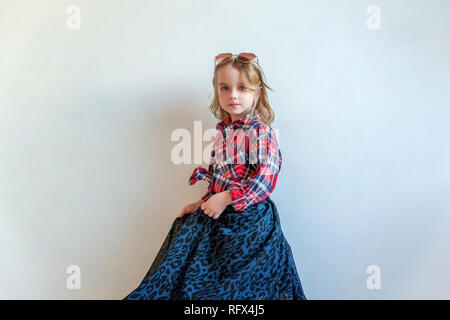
(235, 117)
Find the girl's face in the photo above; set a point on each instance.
(234, 97)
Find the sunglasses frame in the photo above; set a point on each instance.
(243, 57)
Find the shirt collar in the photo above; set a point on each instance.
(244, 120)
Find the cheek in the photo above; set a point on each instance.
(249, 98)
(221, 95)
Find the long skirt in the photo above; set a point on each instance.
(242, 255)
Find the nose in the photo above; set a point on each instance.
(233, 95)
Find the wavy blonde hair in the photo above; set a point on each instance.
(253, 77)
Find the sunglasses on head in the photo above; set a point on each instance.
(244, 57)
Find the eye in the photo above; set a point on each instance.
(240, 87)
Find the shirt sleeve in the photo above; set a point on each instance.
(261, 184)
(201, 173)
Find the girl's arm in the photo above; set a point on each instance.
(264, 180)
(201, 173)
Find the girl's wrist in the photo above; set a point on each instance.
(227, 194)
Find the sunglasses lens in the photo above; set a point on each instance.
(223, 56)
(248, 56)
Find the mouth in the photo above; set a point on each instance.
(233, 104)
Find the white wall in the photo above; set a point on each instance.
(86, 115)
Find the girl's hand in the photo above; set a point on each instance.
(190, 208)
(216, 204)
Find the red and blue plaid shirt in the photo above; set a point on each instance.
(245, 159)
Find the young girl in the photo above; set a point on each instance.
(229, 244)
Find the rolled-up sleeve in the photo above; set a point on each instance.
(201, 173)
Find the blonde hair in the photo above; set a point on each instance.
(253, 77)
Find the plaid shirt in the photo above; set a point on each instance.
(245, 159)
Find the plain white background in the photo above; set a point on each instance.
(86, 116)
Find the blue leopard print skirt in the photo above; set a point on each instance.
(242, 255)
